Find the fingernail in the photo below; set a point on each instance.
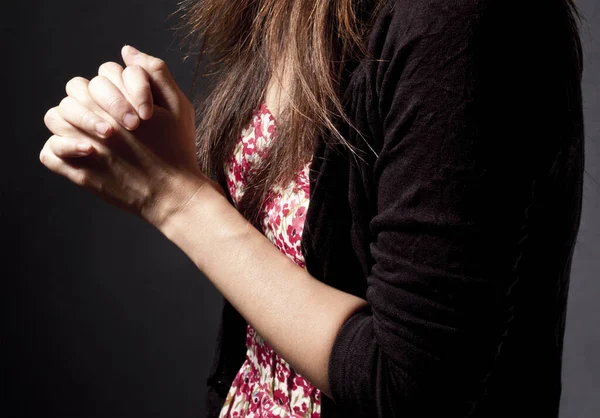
(132, 50)
(102, 128)
(130, 120)
(145, 111)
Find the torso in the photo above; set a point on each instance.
(266, 385)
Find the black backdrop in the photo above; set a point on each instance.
(104, 317)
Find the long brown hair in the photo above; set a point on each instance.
(247, 42)
(242, 44)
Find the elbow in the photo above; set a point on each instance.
(388, 376)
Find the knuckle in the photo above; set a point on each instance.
(100, 188)
(92, 86)
(81, 178)
(136, 79)
(109, 67)
(76, 83)
(139, 90)
(86, 118)
(65, 144)
(134, 69)
(115, 104)
(65, 103)
(53, 144)
(50, 116)
(108, 159)
(96, 82)
(157, 64)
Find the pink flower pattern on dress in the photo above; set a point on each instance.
(266, 385)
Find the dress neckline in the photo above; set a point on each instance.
(264, 108)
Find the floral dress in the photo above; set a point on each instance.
(266, 385)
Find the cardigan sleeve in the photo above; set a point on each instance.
(434, 322)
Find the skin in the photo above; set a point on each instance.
(143, 161)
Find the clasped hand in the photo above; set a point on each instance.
(127, 135)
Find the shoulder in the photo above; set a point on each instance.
(403, 21)
(418, 40)
(431, 10)
(408, 32)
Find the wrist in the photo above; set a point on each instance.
(180, 200)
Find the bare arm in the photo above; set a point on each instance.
(295, 313)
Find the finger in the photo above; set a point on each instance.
(65, 147)
(59, 126)
(80, 116)
(137, 84)
(111, 100)
(77, 175)
(114, 73)
(133, 83)
(165, 89)
(77, 88)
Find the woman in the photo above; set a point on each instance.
(387, 194)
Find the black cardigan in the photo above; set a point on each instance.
(456, 219)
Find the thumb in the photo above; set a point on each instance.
(164, 88)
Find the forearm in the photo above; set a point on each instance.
(295, 313)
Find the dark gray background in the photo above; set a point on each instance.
(104, 317)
